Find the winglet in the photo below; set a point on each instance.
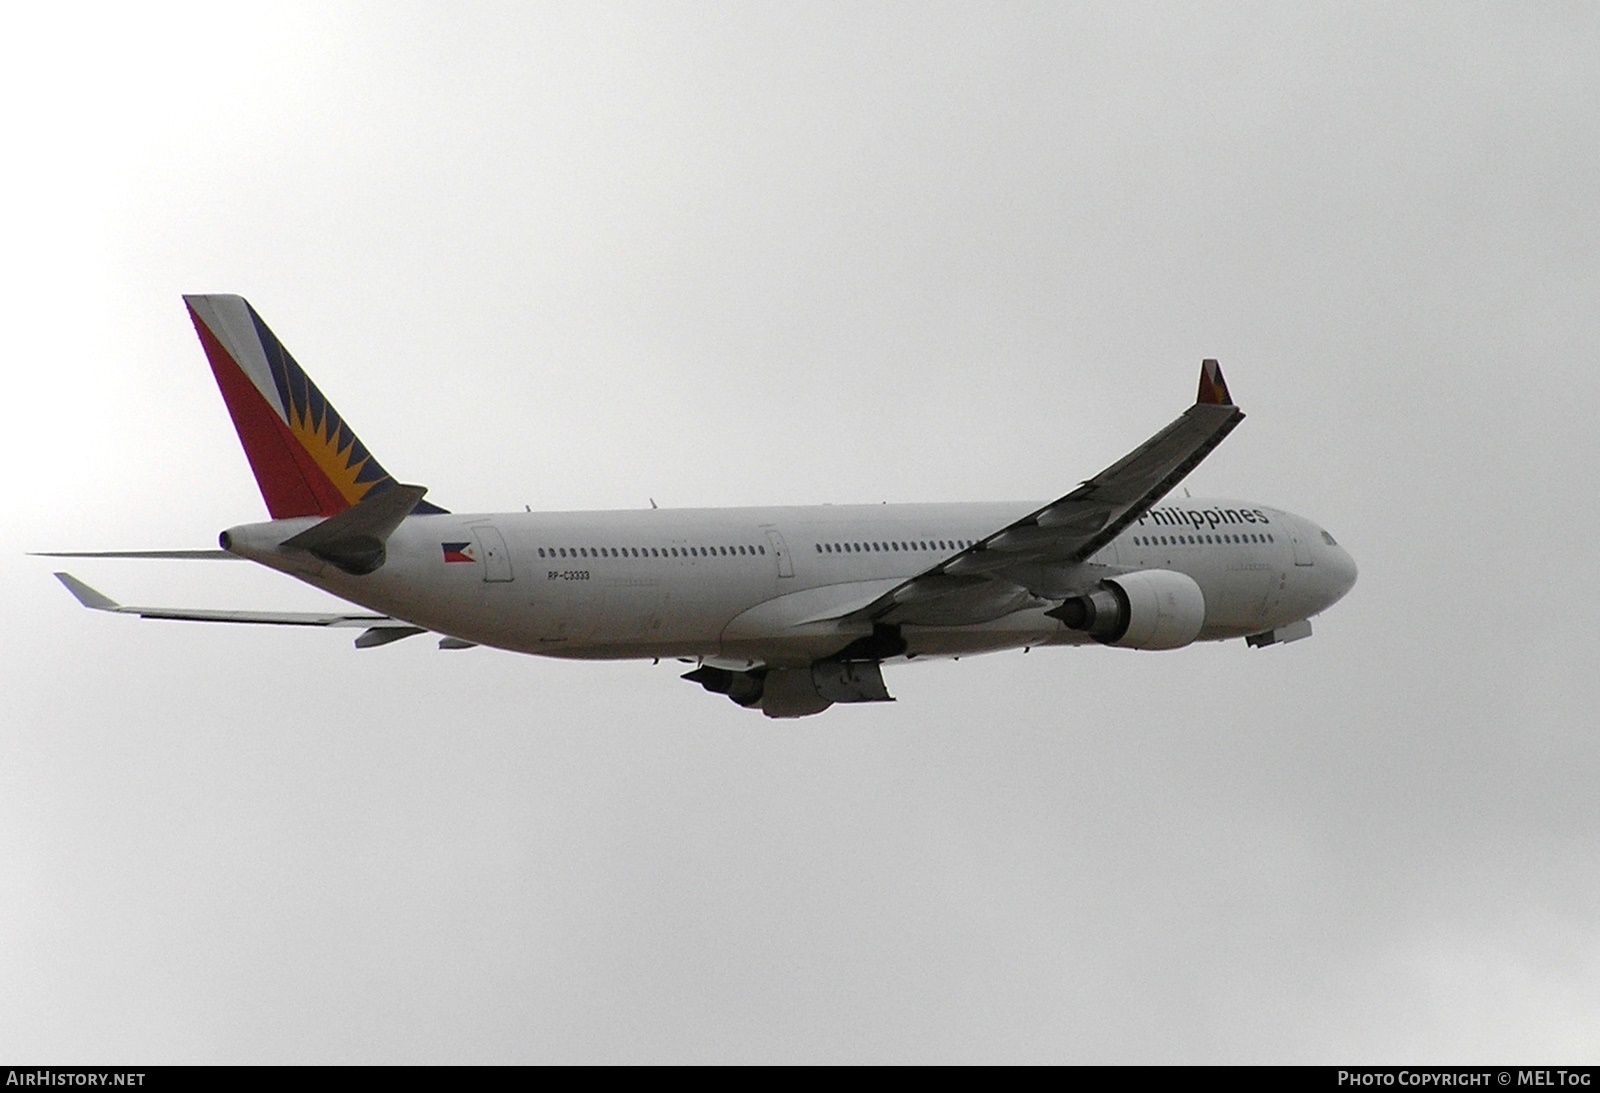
(1213, 388)
(86, 595)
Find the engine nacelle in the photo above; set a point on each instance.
(1151, 609)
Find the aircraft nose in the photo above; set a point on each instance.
(1342, 568)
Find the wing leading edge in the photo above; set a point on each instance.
(1000, 573)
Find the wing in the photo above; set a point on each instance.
(99, 601)
(1032, 560)
(378, 629)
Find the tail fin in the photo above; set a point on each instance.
(306, 460)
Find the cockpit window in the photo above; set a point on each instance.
(1326, 538)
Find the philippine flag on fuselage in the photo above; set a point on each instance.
(458, 552)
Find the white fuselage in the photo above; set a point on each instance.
(768, 585)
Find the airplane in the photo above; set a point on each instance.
(788, 610)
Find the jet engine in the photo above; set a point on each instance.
(1150, 609)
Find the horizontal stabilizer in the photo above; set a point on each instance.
(354, 539)
(212, 555)
(99, 601)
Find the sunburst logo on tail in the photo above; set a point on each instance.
(334, 449)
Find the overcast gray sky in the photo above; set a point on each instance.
(576, 256)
